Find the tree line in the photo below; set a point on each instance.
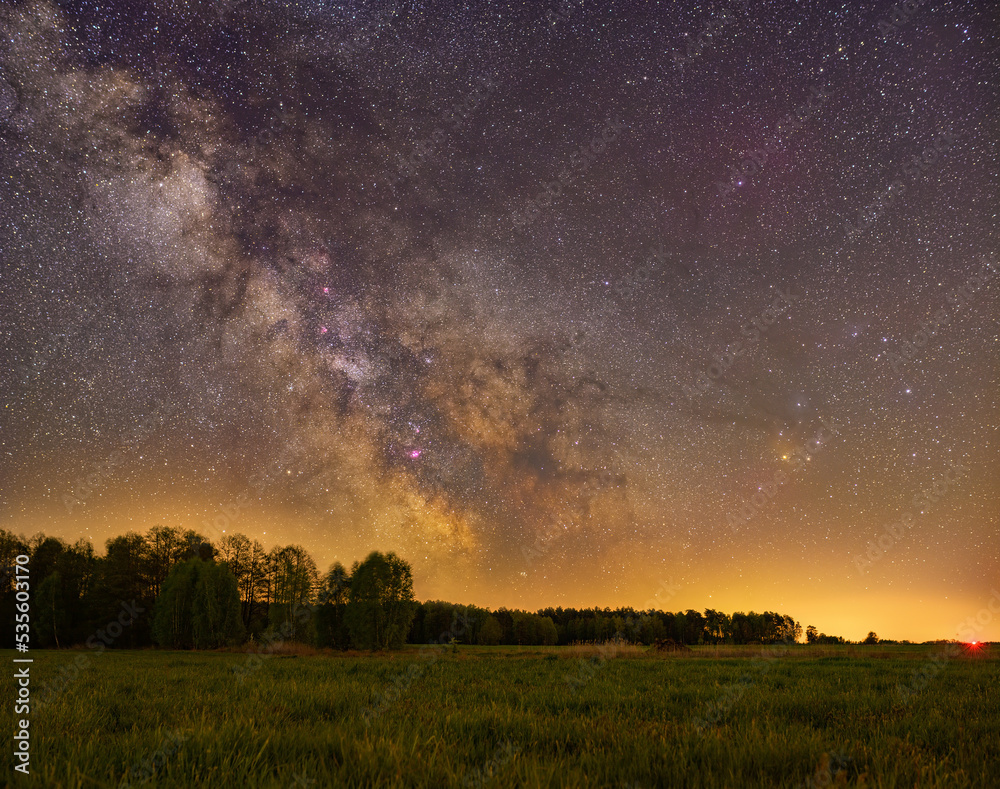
(195, 594)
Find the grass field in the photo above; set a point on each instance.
(535, 717)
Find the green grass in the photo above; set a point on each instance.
(631, 722)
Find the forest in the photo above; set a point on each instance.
(182, 591)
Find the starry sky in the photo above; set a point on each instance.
(568, 302)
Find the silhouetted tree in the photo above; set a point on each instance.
(76, 592)
(50, 616)
(294, 580)
(329, 625)
(172, 613)
(547, 633)
(247, 559)
(381, 605)
(11, 546)
(491, 632)
(121, 579)
(718, 626)
(199, 607)
(164, 548)
(215, 610)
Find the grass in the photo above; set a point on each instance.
(511, 716)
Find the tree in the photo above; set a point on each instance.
(199, 607)
(11, 546)
(45, 553)
(196, 546)
(164, 549)
(717, 626)
(381, 605)
(329, 626)
(547, 631)
(871, 638)
(791, 631)
(533, 629)
(247, 561)
(63, 596)
(741, 628)
(76, 593)
(172, 612)
(50, 616)
(215, 610)
(294, 578)
(438, 621)
(525, 628)
(506, 620)
(122, 580)
(694, 627)
(491, 632)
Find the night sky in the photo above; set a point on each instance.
(568, 303)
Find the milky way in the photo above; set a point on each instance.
(558, 300)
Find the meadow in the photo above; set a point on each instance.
(586, 716)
